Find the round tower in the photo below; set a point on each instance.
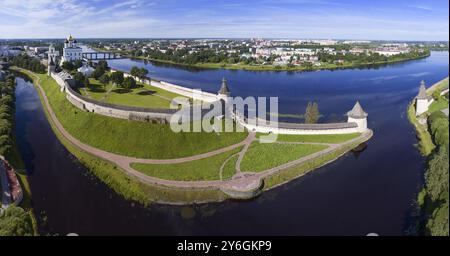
(422, 100)
(358, 116)
(224, 91)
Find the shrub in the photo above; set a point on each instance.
(15, 221)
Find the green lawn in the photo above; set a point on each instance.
(142, 96)
(262, 156)
(230, 168)
(132, 138)
(437, 105)
(129, 187)
(203, 169)
(327, 138)
(425, 144)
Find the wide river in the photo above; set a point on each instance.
(372, 191)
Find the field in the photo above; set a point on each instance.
(204, 169)
(130, 138)
(142, 95)
(262, 156)
(329, 138)
(129, 187)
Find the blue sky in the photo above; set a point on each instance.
(346, 19)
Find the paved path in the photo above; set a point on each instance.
(124, 161)
(242, 154)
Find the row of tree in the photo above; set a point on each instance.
(184, 56)
(14, 221)
(369, 58)
(29, 63)
(436, 188)
(101, 74)
(6, 114)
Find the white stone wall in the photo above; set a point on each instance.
(58, 80)
(361, 122)
(277, 130)
(422, 106)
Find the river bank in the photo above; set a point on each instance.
(432, 134)
(14, 159)
(248, 67)
(212, 190)
(361, 192)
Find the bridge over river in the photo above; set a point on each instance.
(101, 56)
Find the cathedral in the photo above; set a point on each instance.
(71, 52)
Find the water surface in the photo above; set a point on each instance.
(361, 193)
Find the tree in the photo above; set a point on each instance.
(436, 94)
(104, 79)
(77, 64)
(312, 113)
(15, 221)
(79, 79)
(135, 71)
(143, 72)
(68, 66)
(117, 77)
(128, 83)
(103, 64)
(98, 72)
(138, 72)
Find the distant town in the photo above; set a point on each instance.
(243, 53)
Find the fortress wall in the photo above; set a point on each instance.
(110, 110)
(58, 80)
(275, 130)
(164, 115)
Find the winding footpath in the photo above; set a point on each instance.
(239, 182)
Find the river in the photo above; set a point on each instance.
(372, 191)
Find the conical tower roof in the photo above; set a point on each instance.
(224, 88)
(422, 91)
(357, 112)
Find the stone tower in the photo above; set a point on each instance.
(52, 55)
(358, 116)
(224, 91)
(422, 100)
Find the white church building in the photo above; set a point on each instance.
(71, 51)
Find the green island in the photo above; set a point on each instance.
(20, 219)
(153, 152)
(257, 67)
(433, 133)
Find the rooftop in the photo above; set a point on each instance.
(224, 88)
(422, 91)
(357, 111)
